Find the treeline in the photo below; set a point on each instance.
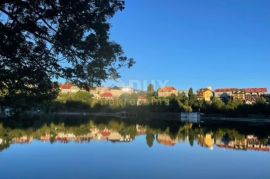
(83, 101)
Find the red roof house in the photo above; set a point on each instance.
(106, 95)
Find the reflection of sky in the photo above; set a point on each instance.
(130, 160)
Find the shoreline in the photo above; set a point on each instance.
(170, 116)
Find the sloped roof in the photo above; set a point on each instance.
(167, 89)
(66, 86)
(225, 90)
(256, 90)
(106, 95)
(246, 90)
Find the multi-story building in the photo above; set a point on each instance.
(69, 88)
(205, 94)
(239, 94)
(253, 94)
(224, 93)
(167, 92)
(97, 91)
(255, 91)
(247, 95)
(106, 95)
(116, 92)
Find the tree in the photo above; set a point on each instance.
(150, 90)
(261, 100)
(217, 104)
(46, 40)
(191, 97)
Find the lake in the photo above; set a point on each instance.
(112, 148)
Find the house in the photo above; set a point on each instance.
(255, 91)
(205, 94)
(253, 94)
(239, 94)
(167, 92)
(224, 93)
(69, 88)
(267, 97)
(106, 96)
(115, 91)
(97, 91)
(247, 95)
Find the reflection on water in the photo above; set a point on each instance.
(113, 130)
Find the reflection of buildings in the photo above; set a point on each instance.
(141, 130)
(45, 138)
(111, 135)
(126, 132)
(95, 134)
(165, 139)
(65, 137)
(22, 140)
(249, 143)
(206, 141)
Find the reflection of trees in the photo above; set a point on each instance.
(150, 140)
(191, 137)
(115, 130)
(4, 146)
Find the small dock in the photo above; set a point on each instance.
(190, 117)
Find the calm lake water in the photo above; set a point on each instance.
(111, 148)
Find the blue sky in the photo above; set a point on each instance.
(196, 43)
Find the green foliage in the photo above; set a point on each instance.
(218, 103)
(191, 97)
(150, 90)
(38, 37)
(261, 100)
(233, 104)
(187, 108)
(129, 97)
